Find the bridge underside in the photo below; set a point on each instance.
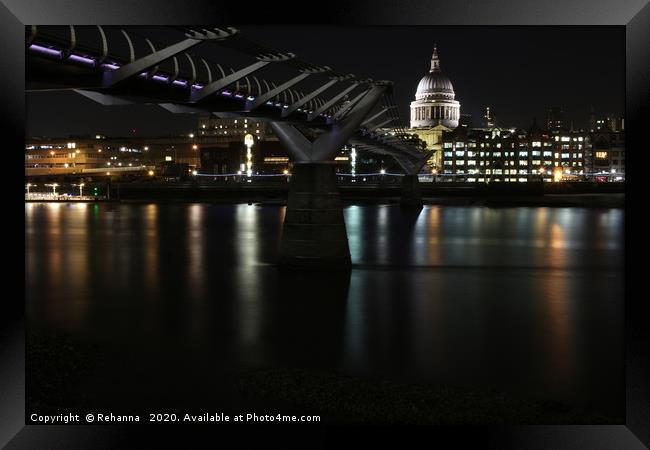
(314, 231)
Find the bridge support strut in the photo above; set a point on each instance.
(314, 232)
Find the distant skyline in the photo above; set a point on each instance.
(518, 71)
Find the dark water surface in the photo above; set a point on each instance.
(524, 300)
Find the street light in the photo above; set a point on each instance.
(382, 171)
(249, 141)
(81, 189)
(54, 185)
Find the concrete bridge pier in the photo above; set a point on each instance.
(314, 231)
(411, 193)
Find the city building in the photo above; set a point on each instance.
(512, 155)
(83, 155)
(555, 119)
(607, 162)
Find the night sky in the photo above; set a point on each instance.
(518, 71)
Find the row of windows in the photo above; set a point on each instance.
(471, 154)
(461, 162)
(500, 172)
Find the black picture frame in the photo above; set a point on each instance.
(634, 15)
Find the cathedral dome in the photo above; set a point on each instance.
(434, 83)
(435, 102)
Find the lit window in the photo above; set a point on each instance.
(537, 144)
(601, 155)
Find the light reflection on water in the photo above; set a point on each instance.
(522, 299)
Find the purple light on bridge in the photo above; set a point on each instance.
(46, 50)
(82, 59)
(239, 96)
(160, 78)
(197, 86)
(228, 93)
(250, 98)
(180, 82)
(110, 66)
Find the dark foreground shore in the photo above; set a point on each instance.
(66, 375)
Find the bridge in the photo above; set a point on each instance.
(314, 110)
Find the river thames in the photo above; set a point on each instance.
(130, 304)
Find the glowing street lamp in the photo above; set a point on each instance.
(81, 188)
(194, 147)
(382, 171)
(54, 185)
(285, 171)
(249, 140)
(28, 186)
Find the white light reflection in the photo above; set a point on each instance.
(353, 216)
(247, 245)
